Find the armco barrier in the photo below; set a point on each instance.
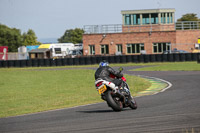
(87, 60)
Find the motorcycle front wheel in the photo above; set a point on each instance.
(113, 101)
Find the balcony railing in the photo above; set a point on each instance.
(119, 28)
(187, 25)
(112, 28)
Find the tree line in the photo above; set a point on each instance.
(13, 38)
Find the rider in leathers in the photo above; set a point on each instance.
(104, 72)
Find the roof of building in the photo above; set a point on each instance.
(42, 50)
(163, 10)
(44, 46)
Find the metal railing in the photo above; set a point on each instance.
(111, 28)
(187, 25)
(119, 28)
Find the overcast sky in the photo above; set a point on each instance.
(50, 18)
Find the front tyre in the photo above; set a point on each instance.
(113, 102)
(133, 104)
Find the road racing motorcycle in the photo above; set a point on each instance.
(119, 99)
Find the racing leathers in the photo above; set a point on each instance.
(106, 72)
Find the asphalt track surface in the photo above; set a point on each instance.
(175, 110)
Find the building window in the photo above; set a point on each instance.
(104, 49)
(161, 47)
(132, 19)
(32, 56)
(119, 48)
(154, 18)
(171, 18)
(91, 49)
(57, 50)
(40, 56)
(168, 18)
(127, 19)
(135, 48)
(136, 19)
(162, 18)
(145, 19)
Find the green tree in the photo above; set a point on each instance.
(189, 17)
(30, 38)
(72, 35)
(188, 21)
(10, 37)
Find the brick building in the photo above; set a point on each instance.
(142, 31)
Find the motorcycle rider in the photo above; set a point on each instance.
(105, 71)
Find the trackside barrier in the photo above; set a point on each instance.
(198, 58)
(89, 60)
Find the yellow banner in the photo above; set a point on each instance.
(44, 46)
(199, 41)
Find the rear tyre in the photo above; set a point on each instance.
(133, 104)
(113, 102)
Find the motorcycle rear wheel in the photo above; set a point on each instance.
(113, 102)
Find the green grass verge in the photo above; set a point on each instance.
(175, 66)
(29, 90)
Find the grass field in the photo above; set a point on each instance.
(175, 66)
(158, 66)
(33, 90)
(28, 90)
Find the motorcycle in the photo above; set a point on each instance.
(116, 100)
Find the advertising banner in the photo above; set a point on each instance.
(3, 52)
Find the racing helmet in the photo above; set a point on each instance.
(103, 63)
